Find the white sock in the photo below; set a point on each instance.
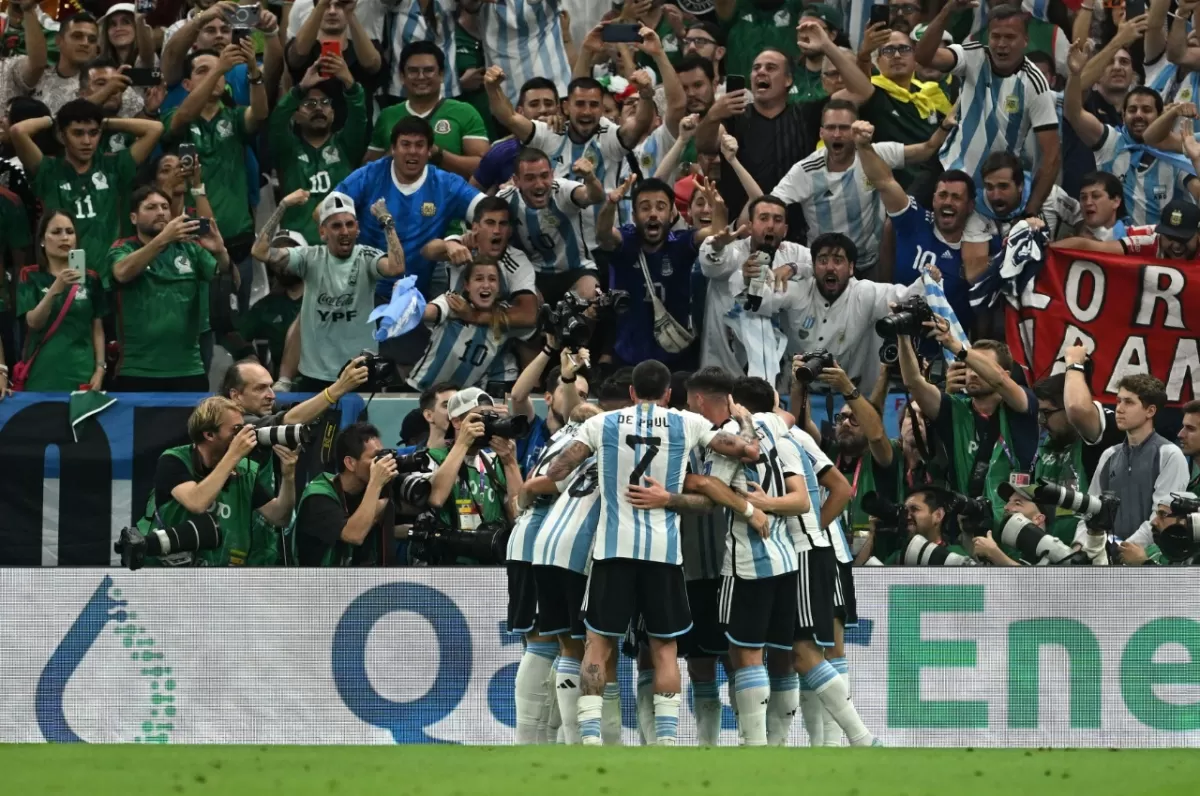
(707, 707)
(833, 732)
(812, 713)
(551, 720)
(752, 693)
(835, 696)
(666, 719)
(785, 700)
(610, 718)
(566, 692)
(532, 674)
(589, 709)
(645, 706)
(733, 705)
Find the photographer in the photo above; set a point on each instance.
(213, 475)
(1184, 551)
(472, 485)
(248, 384)
(1017, 500)
(566, 390)
(339, 518)
(926, 513)
(987, 433)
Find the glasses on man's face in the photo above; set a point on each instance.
(892, 50)
(698, 41)
(420, 71)
(1046, 414)
(313, 104)
(906, 9)
(846, 417)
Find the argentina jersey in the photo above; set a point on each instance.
(631, 444)
(567, 532)
(806, 529)
(553, 237)
(516, 273)
(1149, 182)
(820, 463)
(604, 149)
(524, 38)
(747, 554)
(840, 200)
(525, 530)
(704, 534)
(460, 353)
(412, 24)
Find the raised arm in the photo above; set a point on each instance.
(1161, 132)
(676, 100)
(306, 37)
(592, 190)
(1156, 23)
(878, 173)
(36, 56)
(395, 250)
(864, 413)
(929, 51)
(145, 131)
(927, 395)
(927, 149)
(502, 109)
(260, 109)
(275, 259)
(729, 151)
(608, 237)
(635, 128)
(180, 44)
(193, 104)
(1090, 129)
(996, 377)
(1178, 51)
(668, 165)
(1128, 33)
(1077, 402)
(21, 135)
(856, 83)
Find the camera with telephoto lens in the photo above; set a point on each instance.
(199, 532)
(568, 323)
(920, 552)
(1099, 512)
(1036, 546)
(905, 320)
(380, 370)
(289, 436)
(975, 514)
(813, 363)
(411, 484)
(889, 516)
(1180, 543)
(439, 545)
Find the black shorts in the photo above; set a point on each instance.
(845, 603)
(621, 589)
(705, 639)
(560, 601)
(815, 591)
(554, 286)
(758, 612)
(522, 597)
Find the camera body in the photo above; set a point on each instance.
(380, 370)
(504, 426)
(975, 514)
(889, 516)
(905, 320)
(814, 362)
(438, 545)
(411, 485)
(1180, 543)
(244, 17)
(568, 323)
(199, 532)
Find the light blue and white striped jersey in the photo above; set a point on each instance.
(525, 531)
(566, 537)
(650, 152)
(806, 529)
(704, 534)
(641, 440)
(997, 112)
(820, 463)
(460, 353)
(604, 149)
(552, 237)
(412, 25)
(1149, 182)
(748, 555)
(516, 272)
(524, 38)
(1164, 77)
(840, 200)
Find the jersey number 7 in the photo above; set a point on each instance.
(652, 444)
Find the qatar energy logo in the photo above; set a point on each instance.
(108, 611)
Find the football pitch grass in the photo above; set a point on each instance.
(470, 771)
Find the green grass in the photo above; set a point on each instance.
(532, 771)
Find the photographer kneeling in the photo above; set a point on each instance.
(925, 514)
(213, 476)
(475, 483)
(341, 518)
(1176, 529)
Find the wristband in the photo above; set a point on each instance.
(748, 512)
(325, 394)
(199, 190)
(565, 380)
(548, 351)
(255, 81)
(1076, 366)
(961, 356)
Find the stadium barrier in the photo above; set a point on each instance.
(975, 657)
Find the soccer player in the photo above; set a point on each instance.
(89, 186)
(637, 569)
(309, 152)
(159, 276)
(550, 228)
(566, 389)
(459, 136)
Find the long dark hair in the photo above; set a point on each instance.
(40, 240)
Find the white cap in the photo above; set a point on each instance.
(116, 8)
(335, 203)
(291, 238)
(463, 401)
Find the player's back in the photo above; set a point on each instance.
(747, 554)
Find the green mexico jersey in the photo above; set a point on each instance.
(753, 29)
(98, 199)
(159, 312)
(68, 358)
(14, 235)
(220, 145)
(452, 121)
(468, 54)
(302, 166)
(268, 319)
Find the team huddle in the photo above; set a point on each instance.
(703, 533)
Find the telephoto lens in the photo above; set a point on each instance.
(200, 532)
(413, 489)
(290, 436)
(920, 552)
(1036, 546)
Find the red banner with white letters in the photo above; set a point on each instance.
(1134, 315)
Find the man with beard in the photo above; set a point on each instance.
(926, 513)
(1004, 96)
(1176, 236)
(988, 433)
(827, 184)
(548, 223)
(1189, 442)
(668, 256)
(459, 136)
(807, 85)
(707, 41)
(160, 276)
(310, 154)
(923, 237)
(726, 259)
(538, 102)
(339, 282)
